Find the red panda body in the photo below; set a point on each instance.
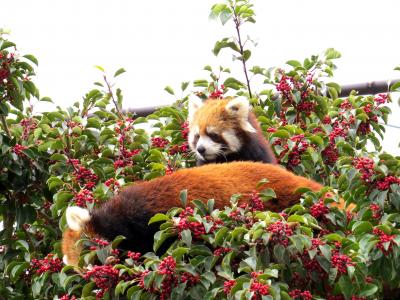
(225, 130)
(128, 212)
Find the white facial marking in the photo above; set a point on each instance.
(76, 217)
(232, 140)
(192, 133)
(212, 148)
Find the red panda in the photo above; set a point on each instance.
(224, 130)
(128, 212)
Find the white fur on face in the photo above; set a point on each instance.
(77, 217)
(192, 132)
(232, 140)
(212, 148)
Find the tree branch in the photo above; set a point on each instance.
(241, 48)
(112, 97)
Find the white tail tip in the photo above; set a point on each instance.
(76, 217)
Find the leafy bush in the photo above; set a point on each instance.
(85, 154)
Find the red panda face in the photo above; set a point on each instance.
(216, 127)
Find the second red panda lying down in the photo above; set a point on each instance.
(129, 212)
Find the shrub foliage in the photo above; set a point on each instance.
(85, 154)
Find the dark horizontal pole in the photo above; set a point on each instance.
(365, 88)
(368, 88)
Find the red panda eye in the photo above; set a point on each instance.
(213, 135)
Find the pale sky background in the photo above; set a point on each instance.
(163, 43)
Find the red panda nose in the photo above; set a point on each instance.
(201, 149)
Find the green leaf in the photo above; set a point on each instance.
(183, 197)
(395, 87)
(54, 182)
(346, 286)
(294, 63)
(184, 85)
(200, 83)
(100, 68)
(332, 54)
(221, 235)
(6, 44)
(31, 58)
(361, 227)
(368, 290)
(158, 218)
(200, 206)
(117, 241)
(246, 54)
(267, 194)
(261, 183)
(186, 236)
(233, 83)
(169, 90)
(119, 72)
(283, 134)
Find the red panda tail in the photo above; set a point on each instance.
(70, 249)
(77, 219)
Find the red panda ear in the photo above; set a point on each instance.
(240, 108)
(194, 105)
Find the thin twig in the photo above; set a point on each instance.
(112, 97)
(237, 25)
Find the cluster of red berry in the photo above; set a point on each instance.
(17, 149)
(48, 264)
(385, 243)
(105, 277)
(197, 228)
(29, 124)
(384, 184)
(228, 285)
(366, 167)
(280, 232)
(259, 289)
(190, 279)
(134, 255)
(83, 197)
(159, 142)
(67, 297)
(221, 251)
(5, 62)
(300, 295)
(319, 209)
(256, 204)
(218, 92)
(341, 262)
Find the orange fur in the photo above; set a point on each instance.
(138, 202)
(220, 181)
(69, 247)
(213, 114)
